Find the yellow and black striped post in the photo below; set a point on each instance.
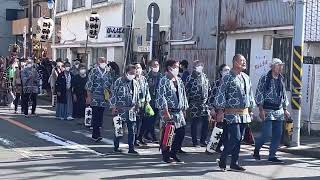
(297, 78)
(298, 41)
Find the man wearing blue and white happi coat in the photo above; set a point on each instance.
(234, 102)
(197, 90)
(98, 85)
(172, 103)
(125, 103)
(272, 100)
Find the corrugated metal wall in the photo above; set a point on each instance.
(205, 24)
(240, 14)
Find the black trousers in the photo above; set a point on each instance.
(16, 102)
(176, 145)
(141, 125)
(97, 121)
(25, 101)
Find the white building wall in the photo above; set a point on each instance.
(73, 25)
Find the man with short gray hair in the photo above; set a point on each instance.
(272, 100)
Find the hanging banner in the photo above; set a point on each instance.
(93, 24)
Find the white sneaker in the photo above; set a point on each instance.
(70, 118)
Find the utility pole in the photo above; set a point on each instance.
(30, 18)
(218, 35)
(151, 34)
(299, 25)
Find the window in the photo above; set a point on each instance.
(62, 53)
(98, 1)
(62, 5)
(37, 11)
(98, 52)
(282, 49)
(78, 4)
(243, 46)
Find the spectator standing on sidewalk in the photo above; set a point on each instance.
(234, 102)
(271, 97)
(98, 86)
(64, 94)
(30, 84)
(125, 103)
(172, 103)
(79, 92)
(197, 90)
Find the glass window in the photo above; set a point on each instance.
(62, 5)
(62, 53)
(98, 52)
(98, 1)
(78, 4)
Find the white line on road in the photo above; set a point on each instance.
(65, 143)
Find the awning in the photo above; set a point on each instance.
(82, 44)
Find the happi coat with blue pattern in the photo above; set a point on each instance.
(174, 97)
(235, 92)
(272, 95)
(125, 97)
(197, 90)
(99, 80)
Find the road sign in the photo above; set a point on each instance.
(156, 32)
(143, 49)
(156, 12)
(50, 4)
(115, 32)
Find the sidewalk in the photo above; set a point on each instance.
(310, 147)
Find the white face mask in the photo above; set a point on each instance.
(108, 68)
(29, 65)
(199, 69)
(77, 65)
(174, 71)
(139, 71)
(130, 77)
(103, 65)
(82, 71)
(155, 69)
(67, 68)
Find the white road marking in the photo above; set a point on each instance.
(64, 143)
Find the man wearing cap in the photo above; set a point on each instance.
(272, 100)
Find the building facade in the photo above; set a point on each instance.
(10, 10)
(262, 30)
(73, 35)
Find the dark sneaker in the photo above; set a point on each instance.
(167, 160)
(142, 142)
(218, 150)
(182, 151)
(117, 151)
(275, 160)
(222, 165)
(132, 152)
(136, 144)
(97, 139)
(256, 155)
(237, 168)
(176, 159)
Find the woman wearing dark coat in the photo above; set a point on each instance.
(64, 94)
(79, 92)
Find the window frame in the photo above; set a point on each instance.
(61, 8)
(82, 3)
(99, 1)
